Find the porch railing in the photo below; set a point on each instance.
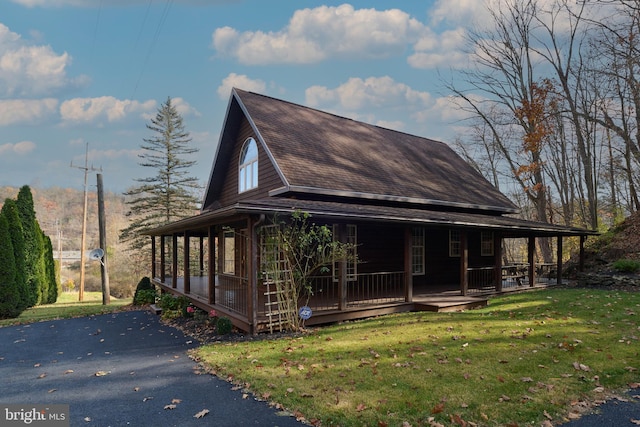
(231, 293)
(368, 288)
(481, 279)
(376, 288)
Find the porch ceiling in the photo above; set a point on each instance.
(509, 226)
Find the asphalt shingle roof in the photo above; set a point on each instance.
(328, 154)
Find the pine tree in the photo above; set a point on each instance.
(9, 297)
(32, 245)
(10, 212)
(170, 193)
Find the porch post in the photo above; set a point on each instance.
(153, 257)
(531, 259)
(163, 259)
(212, 265)
(254, 270)
(559, 262)
(581, 263)
(342, 280)
(497, 260)
(201, 258)
(187, 272)
(174, 261)
(408, 270)
(464, 263)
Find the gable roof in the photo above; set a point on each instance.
(322, 154)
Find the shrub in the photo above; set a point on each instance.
(224, 326)
(144, 285)
(145, 296)
(627, 265)
(170, 302)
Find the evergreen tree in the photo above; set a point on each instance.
(32, 245)
(10, 212)
(9, 297)
(50, 272)
(170, 193)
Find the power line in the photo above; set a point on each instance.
(156, 36)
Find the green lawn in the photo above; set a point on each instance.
(525, 359)
(68, 306)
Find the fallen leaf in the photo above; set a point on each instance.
(68, 371)
(636, 422)
(201, 413)
(170, 406)
(136, 389)
(87, 419)
(101, 373)
(42, 375)
(52, 390)
(526, 379)
(361, 407)
(176, 400)
(438, 408)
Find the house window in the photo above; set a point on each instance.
(417, 251)
(229, 250)
(248, 168)
(486, 243)
(352, 263)
(454, 243)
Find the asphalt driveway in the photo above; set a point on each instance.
(123, 369)
(120, 369)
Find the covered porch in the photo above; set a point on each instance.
(403, 254)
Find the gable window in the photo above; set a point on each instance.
(417, 251)
(454, 243)
(486, 243)
(248, 167)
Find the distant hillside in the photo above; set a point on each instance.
(59, 212)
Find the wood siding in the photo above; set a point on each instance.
(268, 178)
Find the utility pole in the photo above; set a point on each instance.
(106, 298)
(86, 170)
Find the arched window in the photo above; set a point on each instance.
(248, 168)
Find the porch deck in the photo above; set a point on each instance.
(434, 299)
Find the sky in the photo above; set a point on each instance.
(86, 76)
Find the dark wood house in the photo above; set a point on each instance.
(423, 220)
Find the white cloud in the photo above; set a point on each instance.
(438, 50)
(103, 109)
(357, 94)
(240, 81)
(27, 70)
(20, 148)
(313, 35)
(184, 108)
(459, 12)
(26, 110)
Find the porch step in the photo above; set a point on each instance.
(449, 305)
(155, 309)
